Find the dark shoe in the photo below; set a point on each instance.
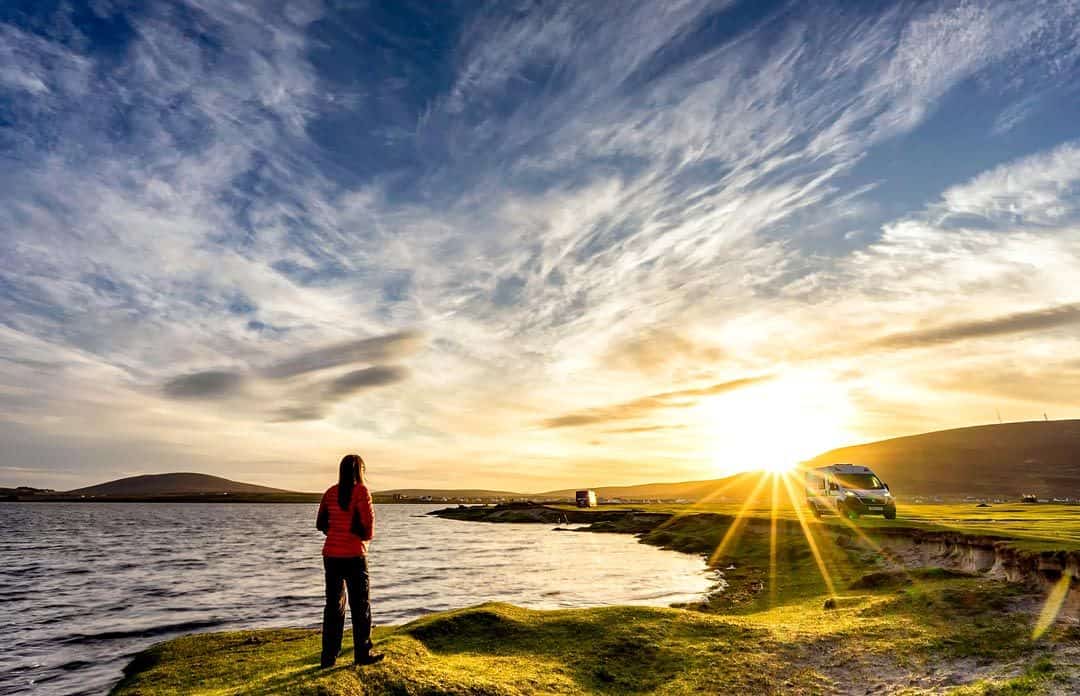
(369, 659)
(324, 663)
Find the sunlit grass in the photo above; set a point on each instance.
(890, 637)
(740, 520)
(800, 513)
(1034, 527)
(1029, 531)
(773, 524)
(824, 622)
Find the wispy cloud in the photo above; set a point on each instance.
(377, 349)
(286, 391)
(1041, 189)
(524, 213)
(313, 401)
(648, 405)
(1004, 325)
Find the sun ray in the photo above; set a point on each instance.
(697, 505)
(772, 540)
(739, 522)
(869, 541)
(814, 550)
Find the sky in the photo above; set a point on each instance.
(528, 245)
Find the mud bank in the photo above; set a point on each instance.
(977, 555)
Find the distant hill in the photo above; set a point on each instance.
(1041, 457)
(182, 484)
(734, 487)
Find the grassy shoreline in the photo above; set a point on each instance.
(1035, 527)
(941, 635)
(778, 627)
(757, 551)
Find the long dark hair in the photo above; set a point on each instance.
(350, 473)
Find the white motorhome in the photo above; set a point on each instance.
(850, 490)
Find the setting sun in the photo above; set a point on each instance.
(779, 467)
(776, 424)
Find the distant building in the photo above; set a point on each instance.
(585, 498)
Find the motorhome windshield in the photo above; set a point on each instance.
(861, 482)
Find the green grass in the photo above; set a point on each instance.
(760, 572)
(778, 627)
(882, 636)
(753, 580)
(1035, 527)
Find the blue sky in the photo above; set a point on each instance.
(527, 245)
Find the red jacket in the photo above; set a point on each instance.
(347, 531)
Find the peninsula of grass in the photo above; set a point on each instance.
(931, 632)
(1035, 527)
(1030, 526)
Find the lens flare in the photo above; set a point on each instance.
(739, 522)
(1054, 601)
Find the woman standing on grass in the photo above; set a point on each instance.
(347, 518)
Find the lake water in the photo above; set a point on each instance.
(85, 586)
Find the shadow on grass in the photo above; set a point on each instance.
(616, 650)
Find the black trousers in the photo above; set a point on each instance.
(342, 572)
